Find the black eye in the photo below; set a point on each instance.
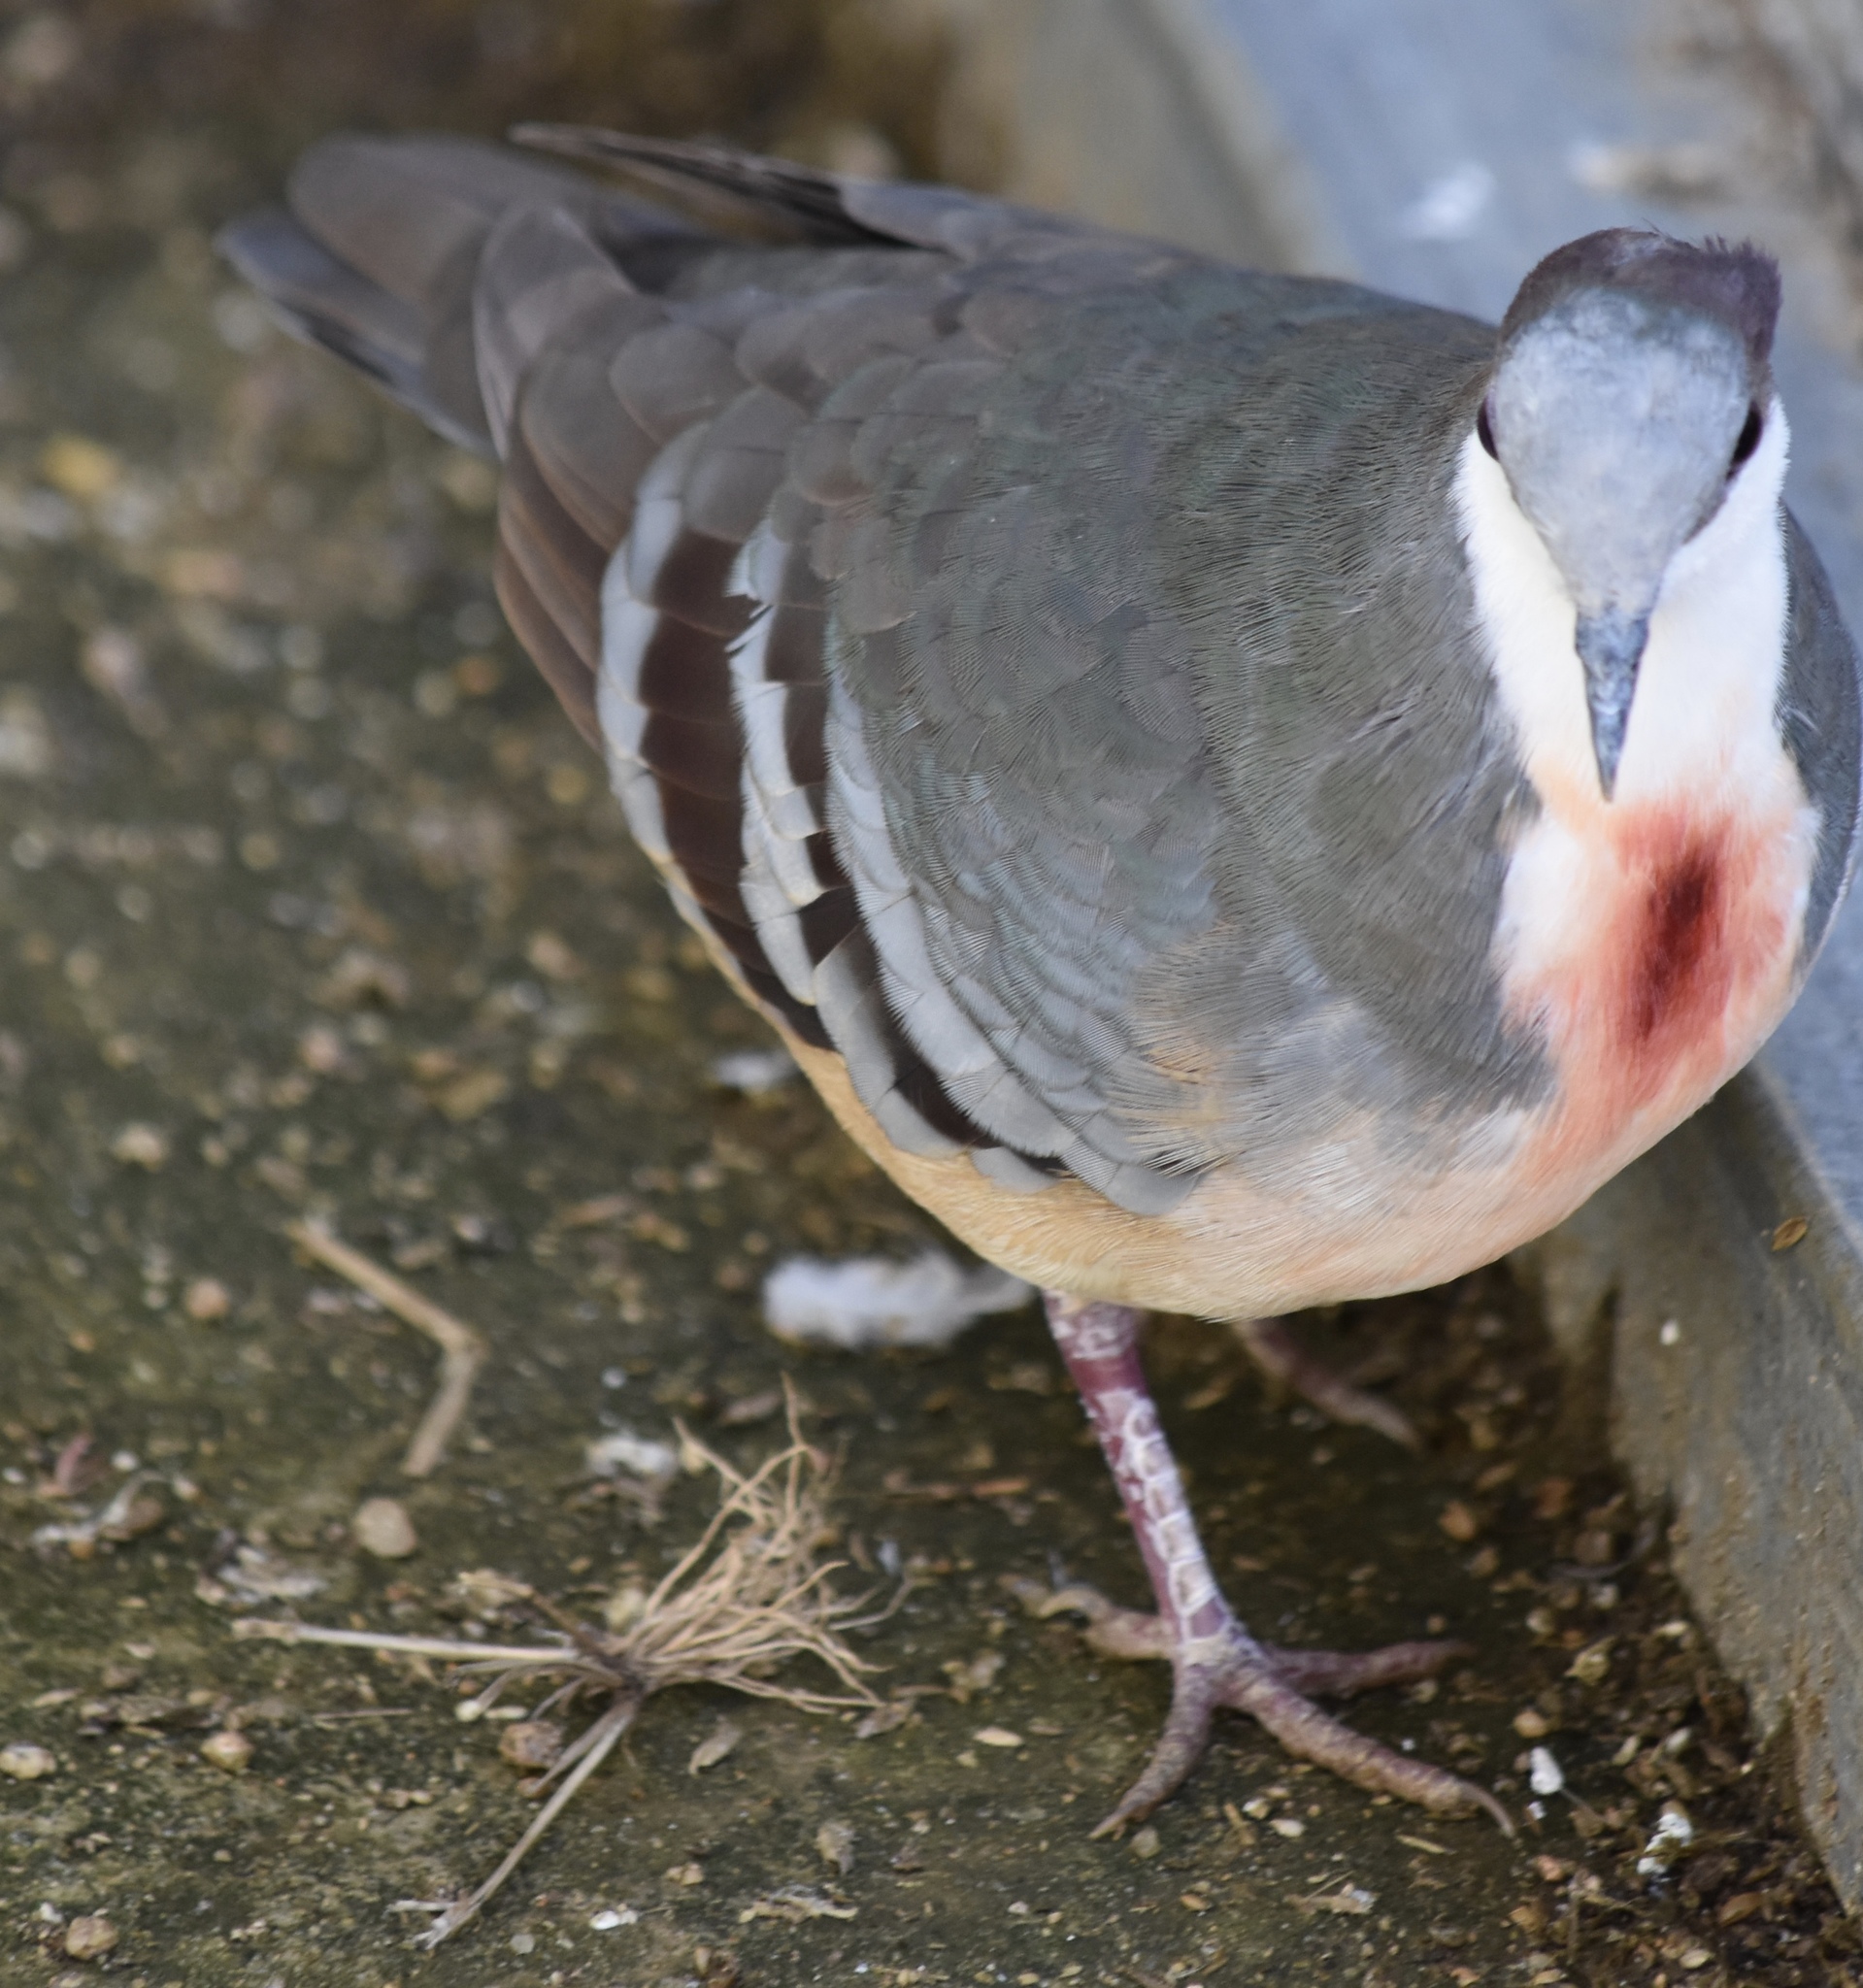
(1484, 434)
(1749, 441)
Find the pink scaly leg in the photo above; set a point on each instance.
(1214, 1659)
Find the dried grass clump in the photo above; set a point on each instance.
(749, 1596)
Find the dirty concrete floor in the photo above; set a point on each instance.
(310, 903)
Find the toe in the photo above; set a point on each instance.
(1338, 1674)
(1309, 1734)
(1186, 1732)
(1113, 1631)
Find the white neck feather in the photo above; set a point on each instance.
(1703, 721)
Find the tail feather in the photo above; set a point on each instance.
(399, 210)
(384, 335)
(400, 214)
(380, 255)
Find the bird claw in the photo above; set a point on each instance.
(1272, 1685)
(1255, 1679)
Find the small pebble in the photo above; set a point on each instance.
(1147, 1845)
(608, 1918)
(997, 1736)
(1532, 1723)
(229, 1751)
(835, 1845)
(523, 1942)
(548, 953)
(381, 1527)
(80, 467)
(91, 1938)
(1595, 1546)
(531, 1744)
(1459, 1521)
(1287, 1826)
(207, 1299)
(140, 1146)
(25, 1762)
(320, 1049)
(1593, 1664)
(686, 1874)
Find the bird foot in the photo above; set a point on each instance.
(1284, 1360)
(1271, 1684)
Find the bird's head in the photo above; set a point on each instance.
(1632, 387)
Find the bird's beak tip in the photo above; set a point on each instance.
(1611, 648)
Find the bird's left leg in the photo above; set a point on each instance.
(1288, 1364)
(1214, 1659)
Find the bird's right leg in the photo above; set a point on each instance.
(1214, 1659)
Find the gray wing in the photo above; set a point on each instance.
(1019, 780)
(935, 618)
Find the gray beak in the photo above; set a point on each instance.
(1610, 646)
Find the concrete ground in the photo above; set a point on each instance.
(312, 904)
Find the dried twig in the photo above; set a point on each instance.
(745, 1598)
(462, 1350)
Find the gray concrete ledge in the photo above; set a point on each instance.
(1438, 148)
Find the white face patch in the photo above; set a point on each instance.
(1652, 938)
(1702, 726)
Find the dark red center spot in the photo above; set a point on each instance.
(1677, 968)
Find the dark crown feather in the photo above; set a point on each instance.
(1736, 284)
